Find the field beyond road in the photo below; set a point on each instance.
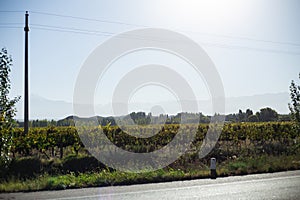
(53, 158)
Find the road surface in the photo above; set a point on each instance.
(282, 185)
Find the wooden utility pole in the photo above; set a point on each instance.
(26, 100)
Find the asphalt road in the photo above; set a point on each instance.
(283, 185)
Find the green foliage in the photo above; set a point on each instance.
(267, 115)
(265, 137)
(7, 107)
(264, 115)
(80, 164)
(259, 164)
(237, 141)
(242, 148)
(294, 106)
(25, 167)
(140, 118)
(238, 166)
(253, 118)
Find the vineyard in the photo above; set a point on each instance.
(58, 153)
(237, 139)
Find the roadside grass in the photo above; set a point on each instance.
(239, 166)
(263, 164)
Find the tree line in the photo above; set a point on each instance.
(141, 118)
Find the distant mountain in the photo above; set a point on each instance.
(42, 108)
(277, 101)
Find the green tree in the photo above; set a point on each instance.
(241, 116)
(294, 106)
(248, 113)
(7, 106)
(253, 118)
(267, 114)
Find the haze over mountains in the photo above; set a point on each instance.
(42, 108)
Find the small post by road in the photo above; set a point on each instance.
(213, 170)
(26, 109)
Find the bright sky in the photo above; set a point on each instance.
(254, 44)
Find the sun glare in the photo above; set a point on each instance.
(213, 12)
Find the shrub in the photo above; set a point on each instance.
(78, 164)
(27, 167)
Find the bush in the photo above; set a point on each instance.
(27, 167)
(238, 167)
(78, 164)
(3, 168)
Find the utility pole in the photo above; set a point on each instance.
(26, 100)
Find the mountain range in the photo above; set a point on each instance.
(43, 108)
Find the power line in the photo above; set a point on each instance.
(87, 19)
(69, 31)
(10, 27)
(99, 33)
(250, 39)
(11, 11)
(106, 34)
(250, 48)
(138, 25)
(71, 28)
(10, 23)
(94, 32)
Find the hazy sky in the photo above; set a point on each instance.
(255, 44)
